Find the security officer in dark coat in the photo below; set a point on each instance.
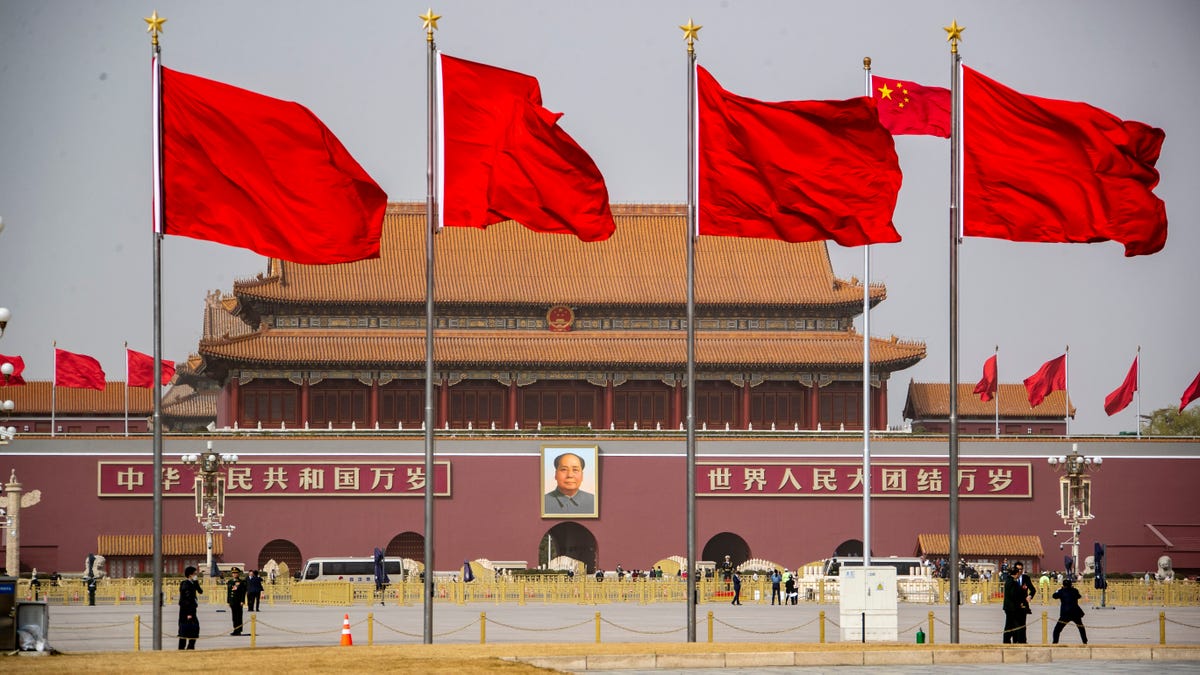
(235, 594)
(1018, 590)
(189, 620)
(1069, 610)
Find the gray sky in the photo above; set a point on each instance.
(75, 182)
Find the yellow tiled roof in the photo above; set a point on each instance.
(503, 348)
(184, 401)
(998, 545)
(143, 544)
(35, 399)
(928, 400)
(643, 263)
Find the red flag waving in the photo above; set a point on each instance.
(987, 386)
(141, 369)
(911, 108)
(247, 170)
(14, 378)
(78, 371)
(1039, 169)
(506, 158)
(1119, 399)
(1052, 376)
(794, 170)
(1190, 394)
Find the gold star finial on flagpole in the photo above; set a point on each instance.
(953, 35)
(690, 33)
(154, 26)
(430, 23)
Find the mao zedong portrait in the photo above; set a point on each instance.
(567, 498)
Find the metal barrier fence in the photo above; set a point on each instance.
(523, 590)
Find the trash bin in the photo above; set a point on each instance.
(33, 619)
(8, 598)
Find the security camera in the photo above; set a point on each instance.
(1060, 547)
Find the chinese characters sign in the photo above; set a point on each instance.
(280, 479)
(845, 479)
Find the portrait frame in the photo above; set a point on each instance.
(551, 502)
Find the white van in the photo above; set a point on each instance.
(354, 569)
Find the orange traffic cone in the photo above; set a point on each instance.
(347, 639)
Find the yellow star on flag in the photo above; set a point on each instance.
(884, 92)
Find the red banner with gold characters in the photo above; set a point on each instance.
(845, 479)
(280, 479)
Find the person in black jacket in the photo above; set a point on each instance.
(254, 590)
(1069, 610)
(1018, 591)
(235, 594)
(189, 621)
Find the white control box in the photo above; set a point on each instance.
(869, 602)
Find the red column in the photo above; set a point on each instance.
(374, 421)
(443, 404)
(304, 400)
(510, 412)
(607, 419)
(235, 409)
(814, 407)
(677, 404)
(744, 413)
(880, 406)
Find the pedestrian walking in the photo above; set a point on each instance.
(254, 591)
(189, 621)
(235, 595)
(737, 588)
(1069, 610)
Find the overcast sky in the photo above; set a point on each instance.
(75, 182)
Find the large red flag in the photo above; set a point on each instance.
(1039, 169)
(1190, 394)
(78, 371)
(911, 108)
(987, 386)
(247, 170)
(1052, 376)
(506, 158)
(141, 369)
(1119, 399)
(15, 379)
(794, 170)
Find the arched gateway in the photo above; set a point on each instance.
(569, 539)
(726, 544)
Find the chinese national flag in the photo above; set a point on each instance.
(77, 371)
(911, 108)
(1052, 376)
(1119, 399)
(1039, 169)
(255, 172)
(1190, 394)
(987, 386)
(794, 170)
(141, 369)
(506, 158)
(14, 380)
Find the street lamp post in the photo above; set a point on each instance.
(210, 495)
(1075, 497)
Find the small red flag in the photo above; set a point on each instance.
(911, 108)
(506, 158)
(255, 172)
(15, 379)
(1052, 376)
(78, 371)
(1119, 399)
(987, 386)
(1039, 169)
(794, 170)
(141, 369)
(1190, 394)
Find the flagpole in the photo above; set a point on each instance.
(1067, 390)
(54, 388)
(866, 372)
(954, 34)
(155, 25)
(1137, 423)
(690, 31)
(996, 398)
(127, 388)
(430, 25)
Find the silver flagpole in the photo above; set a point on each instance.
(996, 397)
(954, 32)
(1137, 382)
(156, 235)
(866, 373)
(1067, 390)
(430, 20)
(690, 34)
(54, 388)
(127, 388)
